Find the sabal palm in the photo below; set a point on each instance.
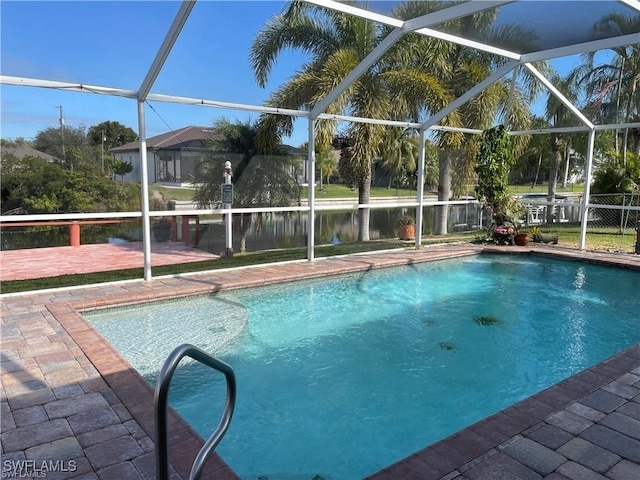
(336, 44)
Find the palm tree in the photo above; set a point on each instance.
(559, 116)
(459, 69)
(400, 152)
(337, 43)
(326, 162)
(261, 178)
(537, 149)
(613, 87)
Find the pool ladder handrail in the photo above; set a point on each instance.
(160, 403)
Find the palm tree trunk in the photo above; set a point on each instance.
(556, 143)
(444, 194)
(567, 159)
(535, 182)
(245, 226)
(364, 195)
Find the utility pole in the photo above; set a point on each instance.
(102, 139)
(64, 155)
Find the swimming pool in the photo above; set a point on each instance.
(430, 349)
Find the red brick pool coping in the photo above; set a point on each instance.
(126, 390)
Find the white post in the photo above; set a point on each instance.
(420, 192)
(311, 182)
(228, 216)
(587, 191)
(146, 230)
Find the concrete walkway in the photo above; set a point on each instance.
(73, 407)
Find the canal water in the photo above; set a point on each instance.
(267, 231)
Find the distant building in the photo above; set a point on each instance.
(172, 157)
(22, 150)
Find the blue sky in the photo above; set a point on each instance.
(114, 43)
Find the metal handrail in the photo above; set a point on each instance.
(160, 403)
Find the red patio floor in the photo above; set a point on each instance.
(54, 261)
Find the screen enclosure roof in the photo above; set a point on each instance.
(185, 62)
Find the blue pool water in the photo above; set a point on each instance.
(341, 377)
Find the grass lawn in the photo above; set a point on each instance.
(342, 191)
(178, 193)
(524, 189)
(598, 237)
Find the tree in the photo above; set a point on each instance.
(261, 178)
(458, 69)
(559, 116)
(400, 153)
(36, 186)
(337, 43)
(107, 135)
(612, 87)
(115, 134)
(326, 162)
(494, 160)
(69, 147)
(530, 164)
(121, 167)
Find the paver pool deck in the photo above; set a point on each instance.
(68, 399)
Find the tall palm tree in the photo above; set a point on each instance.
(559, 116)
(261, 178)
(537, 149)
(459, 69)
(336, 43)
(613, 87)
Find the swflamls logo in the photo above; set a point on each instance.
(35, 469)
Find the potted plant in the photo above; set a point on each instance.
(407, 227)
(534, 232)
(162, 228)
(540, 237)
(493, 161)
(521, 239)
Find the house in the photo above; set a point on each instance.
(21, 150)
(172, 157)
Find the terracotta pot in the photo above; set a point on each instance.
(522, 239)
(407, 232)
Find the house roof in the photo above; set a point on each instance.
(186, 135)
(22, 150)
(172, 139)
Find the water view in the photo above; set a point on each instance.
(268, 231)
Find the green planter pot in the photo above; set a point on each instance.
(546, 238)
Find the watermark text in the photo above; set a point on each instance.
(35, 468)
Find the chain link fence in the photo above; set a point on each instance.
(612, 220)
